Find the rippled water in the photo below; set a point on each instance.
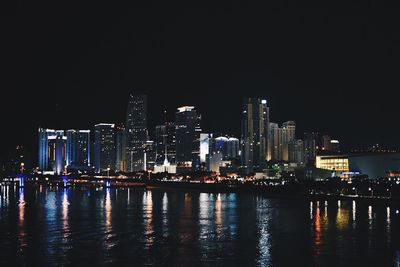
(43, 226)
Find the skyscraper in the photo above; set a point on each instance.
(310, 147)
(233, 147)
(255, 123)
(326, 143)
(296, 151)
(165, 136)
(136, 132)
(104, 147)
(187, 139)
(276, 141)
(78, 149)
(52, 150)
(288, 135)
(120, 164)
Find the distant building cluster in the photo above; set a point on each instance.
(180, 146)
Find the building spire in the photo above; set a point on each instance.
(166, 163)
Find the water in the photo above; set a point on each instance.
(43, 226)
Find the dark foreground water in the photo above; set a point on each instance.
(42, 226)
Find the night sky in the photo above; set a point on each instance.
(73, 66)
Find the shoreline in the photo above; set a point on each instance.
(283, 192)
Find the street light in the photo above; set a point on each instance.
(372, 191)
(108, 172)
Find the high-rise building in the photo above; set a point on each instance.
(78, 149)
(19, 160)
(232, 148)
(136, 132)
(150, 156)
(326, 143)
(187, 139)
(288, 135)
(310, 147)
(296, 152)
(165, 136)
(52, 150)
(120, 163)
(276, 141)
(104, 147)
(335, 146)
(204, 146)
(255, 124)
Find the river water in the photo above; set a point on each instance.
(133, 227)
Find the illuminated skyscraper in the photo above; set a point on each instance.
(233, 148)
(136, 132)
(288, 135)
(78, 149)
(165, 136)
(255, 123)
(104, 147)
(120, 149)
(187, 139)
(276, 141)
(52, 150)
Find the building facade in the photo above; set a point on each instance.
(78, 149)
(187, 139)
(52, 150)
(136, 132)
(104, 147)
(120, 161)
(255, 136)
(165, 137)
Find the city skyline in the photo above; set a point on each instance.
(211, 61)
(168, 115)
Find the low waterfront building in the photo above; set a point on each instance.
(373, 165)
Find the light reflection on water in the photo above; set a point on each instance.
(68, 226)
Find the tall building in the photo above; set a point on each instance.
(276, 142)
(136, 132)
(296, 152)
(120, 161)
(255, 124)
(150, 155)
(288, 135)
(104, 147)
(326, 143)
(19, 160)
(310, 147)
(232, 148)
(187, 139)
(165, 136)
(78, 149)
(204, 146)
(228, 147)
(52, 150)
(335, 146)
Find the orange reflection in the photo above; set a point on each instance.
(342, 217)
(218, 215)
(317, 238)
(108, 211)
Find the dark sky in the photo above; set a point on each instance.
(70, 66)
